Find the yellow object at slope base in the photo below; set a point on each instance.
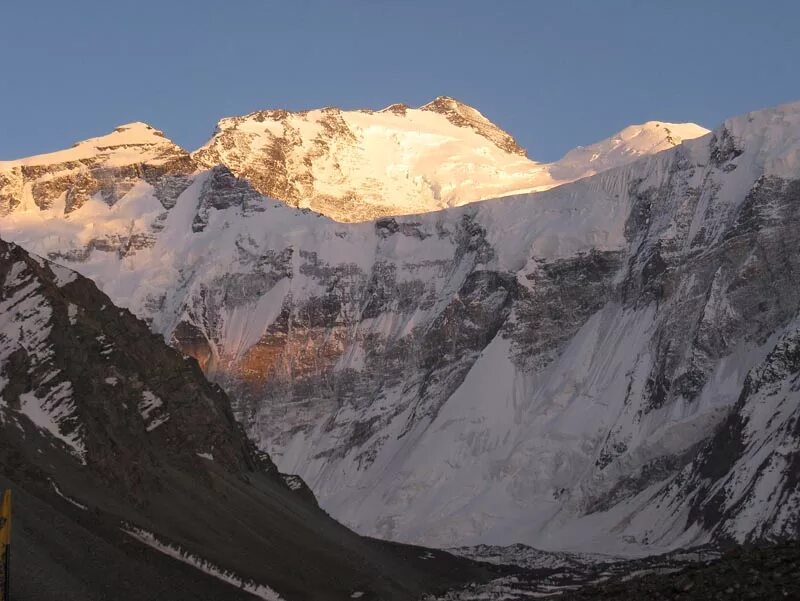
(5, 549)
(5, 521)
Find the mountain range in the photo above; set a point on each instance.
(600, 355)
(363, 165)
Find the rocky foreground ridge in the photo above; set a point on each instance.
(132, 479)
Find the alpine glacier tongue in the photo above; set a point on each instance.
(557, 368)
(361, 165)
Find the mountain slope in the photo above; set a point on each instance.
(116, 444)
(361, 165)
(545, 368)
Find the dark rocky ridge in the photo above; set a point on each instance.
(180, 467)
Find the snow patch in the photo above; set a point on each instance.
(149, 403)
(63, 276)
(148, 538)
(50, 412)
(72, 313)
(68, 499)
(149, 409)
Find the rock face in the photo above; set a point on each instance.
(562, 368)
(109, 437)
(362, 165)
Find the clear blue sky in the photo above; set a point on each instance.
(555, 74)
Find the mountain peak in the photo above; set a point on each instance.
(444, 103)
(91, 167)
(136, 133)
(129, 143)
(357, 165)
(674, 133)
(139, 129)
(623, 147)
(463, 115)
(398, 108)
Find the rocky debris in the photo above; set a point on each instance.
(771, 572)
(739, 573)
(530, 558)
(536, 574)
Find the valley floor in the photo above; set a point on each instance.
(766, 573)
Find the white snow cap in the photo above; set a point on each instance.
(402, 160)
(774, 133)
(126, 144)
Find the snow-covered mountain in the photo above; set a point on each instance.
(361, 165)
(567, 368)
(109, 166)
